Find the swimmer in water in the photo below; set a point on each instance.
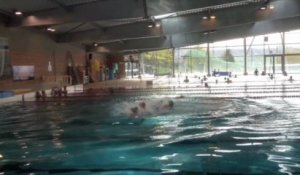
(134, 111)
(169, 105)
(141, 110)
(142, 105)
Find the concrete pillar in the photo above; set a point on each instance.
(173, 62)
(245, 57)
(208, 60)
(283, 54)
(265, 62)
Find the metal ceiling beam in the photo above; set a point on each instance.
(117, 9)
(181, 40)
(61, 5)
(129, 31)
(190, 23)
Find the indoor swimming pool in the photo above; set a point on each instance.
(198, 136)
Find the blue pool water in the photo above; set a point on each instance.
(199, 136)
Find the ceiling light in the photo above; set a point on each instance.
(212, 17)
(51, 29)
(18, 13)
(157, 25)
(271, 7)
(150, 25)
(263, 8)
(208, 15)
(96, 44)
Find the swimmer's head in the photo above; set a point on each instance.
(134, 110)
(142, 104)
(171, 104)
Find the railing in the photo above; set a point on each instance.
(120, 84)
(59, 79)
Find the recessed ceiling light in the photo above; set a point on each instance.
(95, 44)
(18, 13)
(204, 17)
(157, 25)
(271, 7)
(150, 25)
(51, 29)
(212, 17)
(263, 8)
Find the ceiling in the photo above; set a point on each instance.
(122, 26)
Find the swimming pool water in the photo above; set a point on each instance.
(199, 136)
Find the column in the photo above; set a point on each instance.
(173, 62)
(208, 59)
(245, 57)
(265, 62)
(283, 54)
(273, 64)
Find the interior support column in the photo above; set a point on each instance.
(208, 60)
(265, 66)
(245, 57)
(173, 62)
(273, 64)
(283, 55)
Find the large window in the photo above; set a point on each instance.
(227, 56)
(292, 46)
(158, 63)
(191, 60)
(258, 46)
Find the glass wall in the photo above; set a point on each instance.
(292, 46)
(227, 56)
(191, 60)
(258, 46)
(157, 63)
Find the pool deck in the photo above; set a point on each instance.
(213, 87)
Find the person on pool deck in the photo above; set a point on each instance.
(38, 95)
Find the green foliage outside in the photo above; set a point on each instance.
(228, 56)
(160, 61)
(293, 59)
(195, 60)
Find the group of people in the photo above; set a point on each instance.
(142, 109)
(40, 94)
(59, 92)
(55, 92)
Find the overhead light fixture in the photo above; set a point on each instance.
(267, 5)
(51, 29)
(157, 24)
(263, 8)
(150, 25)
(212, 17)
(96, 44)
(18, 13)
(204, 17)
(208, 15)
